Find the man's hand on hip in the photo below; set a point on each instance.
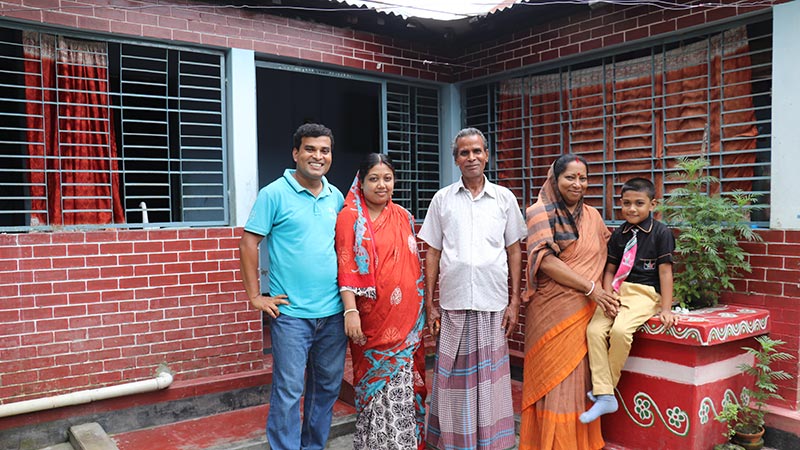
(269, 304)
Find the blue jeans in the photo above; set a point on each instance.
(306, 352)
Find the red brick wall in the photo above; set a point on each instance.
(590, 30)
(774, 284)
(202, 23)
(82, 309)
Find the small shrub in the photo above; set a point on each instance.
(707, 249)
(748, 416)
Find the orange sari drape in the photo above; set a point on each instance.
(556, 370)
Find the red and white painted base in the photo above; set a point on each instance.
(675, 382)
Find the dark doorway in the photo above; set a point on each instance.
(287, 99)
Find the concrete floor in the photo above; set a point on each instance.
(244, 429)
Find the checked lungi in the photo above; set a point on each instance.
(471, 405)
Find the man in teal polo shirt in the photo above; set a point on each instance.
(297, 213)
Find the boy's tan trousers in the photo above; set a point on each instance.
(609, 340)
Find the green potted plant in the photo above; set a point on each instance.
(711, 226)
(745, 420)
(728, 446)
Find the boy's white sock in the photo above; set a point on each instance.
(591, 396)
(605, 404)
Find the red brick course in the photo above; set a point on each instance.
(218, 26)
(607, 26)
(774, 284)
(143, 311)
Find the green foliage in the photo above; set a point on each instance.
(748, 416)
(711, 225)
(728, 446)
(730, 416)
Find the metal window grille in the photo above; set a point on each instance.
(166, 111)
(412, 126)
(635, 114)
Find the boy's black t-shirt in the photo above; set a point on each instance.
(654, 246)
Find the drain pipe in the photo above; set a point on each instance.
(162, 380)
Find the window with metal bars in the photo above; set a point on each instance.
(412, 127)
(104, 133)
(635, 114)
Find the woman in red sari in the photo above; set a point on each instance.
(381, 282)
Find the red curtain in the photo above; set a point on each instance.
(547, 136)
(713, 105)
(532, 109)
(510, 142)
(638, 127)
(588, 120)
(74, 177)
(634, 117)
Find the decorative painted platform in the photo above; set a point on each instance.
(675, 382)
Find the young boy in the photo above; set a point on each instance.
(639, 271)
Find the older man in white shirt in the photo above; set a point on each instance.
(473, 229)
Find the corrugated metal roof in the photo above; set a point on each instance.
(438, 9)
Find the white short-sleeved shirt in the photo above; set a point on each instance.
(472, 234)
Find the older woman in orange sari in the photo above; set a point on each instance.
(566, 256)
(381, 282)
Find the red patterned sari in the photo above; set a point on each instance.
(378, 260)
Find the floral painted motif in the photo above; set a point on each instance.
(676, 417)
(707, 405)
(705, 408)
(645, 409)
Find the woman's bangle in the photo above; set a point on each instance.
(349, 311)
(586, 294)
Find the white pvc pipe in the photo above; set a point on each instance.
(162, 380)
(145, 219)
